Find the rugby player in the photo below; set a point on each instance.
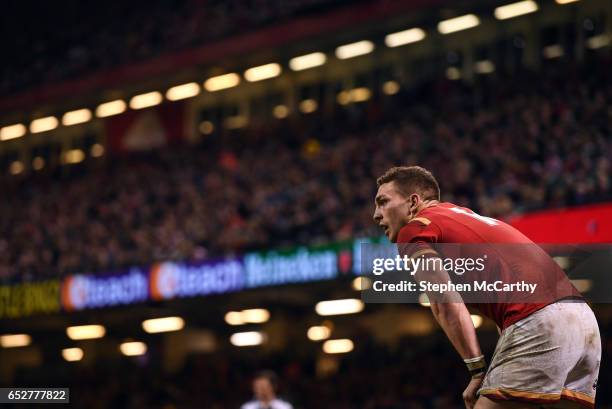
(548, 353)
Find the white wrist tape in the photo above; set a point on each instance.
(472, 360)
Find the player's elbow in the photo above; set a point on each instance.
(445, 312)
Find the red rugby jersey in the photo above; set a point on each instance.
(511, 257)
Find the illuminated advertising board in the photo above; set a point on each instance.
(84, 291)
(169, 280)
(297, 266)
(22, 300)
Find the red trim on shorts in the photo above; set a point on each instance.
(524, 396)
(578, 397)
(534, 397)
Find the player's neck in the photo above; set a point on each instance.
(429, 203)
(424, 205)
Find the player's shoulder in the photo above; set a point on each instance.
(416, 224)
(419, 228)
(250, 405)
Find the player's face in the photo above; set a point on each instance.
(392, 210)
(263, 390)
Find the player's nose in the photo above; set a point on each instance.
(377, 216)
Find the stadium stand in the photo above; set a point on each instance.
(94, 45)
(542, 142)
(536, 134)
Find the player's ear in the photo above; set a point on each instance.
(413, 203)
(414, 199)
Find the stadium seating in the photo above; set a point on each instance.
(542, 142)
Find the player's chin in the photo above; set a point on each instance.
(391, 235)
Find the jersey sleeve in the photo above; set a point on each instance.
(416, 238)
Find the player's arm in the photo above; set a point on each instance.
(448, 308)
(451, 313)
(456, 321)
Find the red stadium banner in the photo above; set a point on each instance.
(585, 224)
(146, 129)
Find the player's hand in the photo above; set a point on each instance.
(469, 394)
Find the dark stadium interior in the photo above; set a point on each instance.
(413, 367)
(514, 117)
(145, 29)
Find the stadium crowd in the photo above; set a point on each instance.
(496, 148)
(105, 35)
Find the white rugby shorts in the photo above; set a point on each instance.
(548, 356)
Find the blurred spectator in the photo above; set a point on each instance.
(264, 391)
